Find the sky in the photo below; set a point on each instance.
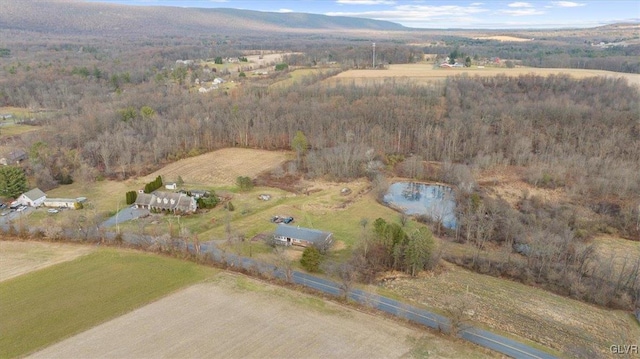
(440, 14)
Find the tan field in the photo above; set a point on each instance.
(563, 324)
(503, 38)
(222, 167)
(424, 73)
(237, 317)
(18, 258)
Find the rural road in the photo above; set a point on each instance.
(477, 336)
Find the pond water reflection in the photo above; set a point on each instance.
(436, 201)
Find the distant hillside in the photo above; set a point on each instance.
(73, 17)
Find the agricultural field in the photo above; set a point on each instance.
(563, 324)
(42, 307)
(296, 76)
(18, 258)
(232, 316)
(503, 38)
(220, 168)
(425, 73)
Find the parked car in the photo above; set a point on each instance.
(3, 205)
(21, 208)
(287, 220)
(4, 213)
(52, 210)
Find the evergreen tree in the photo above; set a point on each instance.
(418, 251)
(311, 258)
(13, 181)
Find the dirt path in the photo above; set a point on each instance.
(236, 317)
(18, 258)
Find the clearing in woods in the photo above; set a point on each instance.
(221, 167)
(424, 73)
(23, 257)
(237, 317)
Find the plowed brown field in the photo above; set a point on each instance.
(236, 317)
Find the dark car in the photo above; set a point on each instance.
(287, 220)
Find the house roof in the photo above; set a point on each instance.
(165, 200)
(144, 199)
(305, 234)
(34, 194)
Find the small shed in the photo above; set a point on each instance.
(171, 185)
(33, 198)
(292, 235)
(14, 157)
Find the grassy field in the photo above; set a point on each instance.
(237, 317)
(46, 306)
(557, 322)
(296, 76)
(22, 257)
(425, 73)
(220, 168)
(12, 129)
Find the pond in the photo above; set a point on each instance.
(436, 201)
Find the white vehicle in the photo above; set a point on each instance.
(21, 208)
(53, 210)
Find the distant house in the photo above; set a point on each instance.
(60, 202)
(166, 201)
(291, 235)
(33, 198)
(171, 185)
(14, 157)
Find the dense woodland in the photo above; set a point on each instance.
(115, 111)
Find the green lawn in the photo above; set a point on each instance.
(46, 306)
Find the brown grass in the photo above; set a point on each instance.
(220, 168)
(18, 258)
(503, 38)
(237, 317)
(554, 321)
(424, 73)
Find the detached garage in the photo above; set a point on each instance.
(33, 198)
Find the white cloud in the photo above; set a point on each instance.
(476, 4)
(520, 4)
(284, 10)
(566, 4)
(522, 12)
(366, 2)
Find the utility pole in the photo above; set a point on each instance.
(374, 55)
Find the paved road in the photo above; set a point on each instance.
(478, 336)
